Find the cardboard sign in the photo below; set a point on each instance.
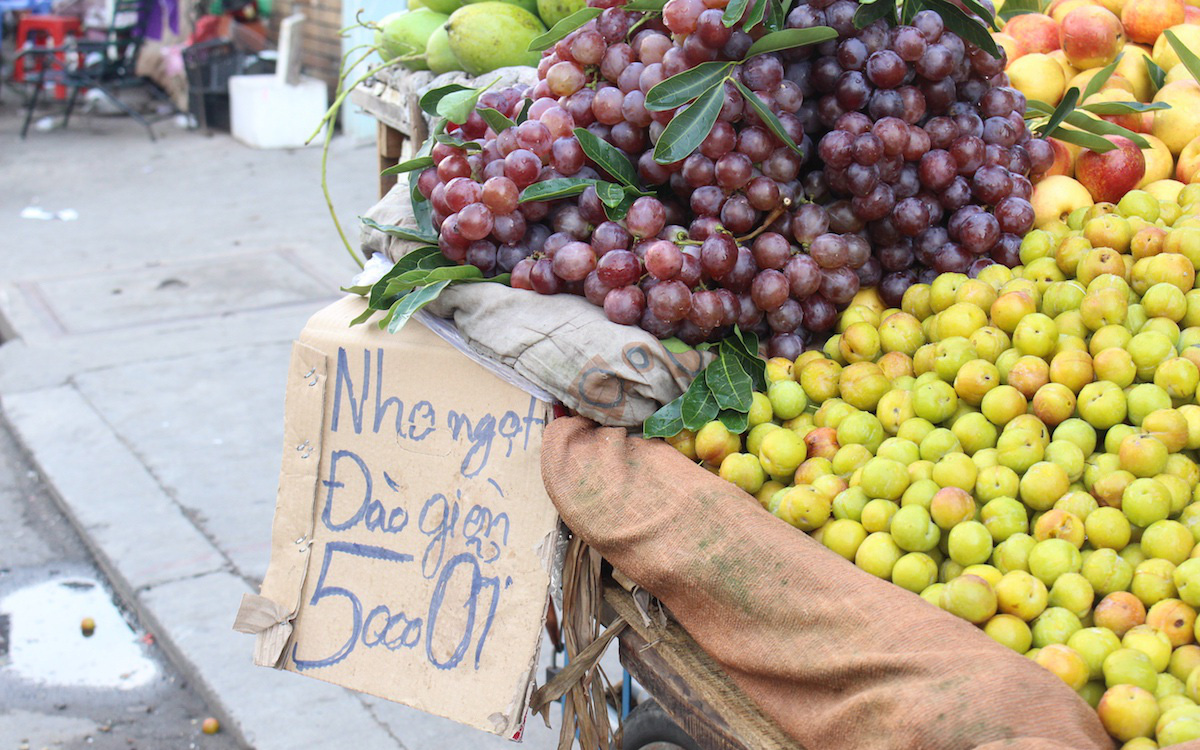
(413, 538)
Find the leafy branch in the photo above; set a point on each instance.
(723, 390)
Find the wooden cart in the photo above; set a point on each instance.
(686, 685)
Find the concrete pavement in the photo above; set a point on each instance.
(146, 347)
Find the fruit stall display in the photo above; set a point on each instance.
(944, 262)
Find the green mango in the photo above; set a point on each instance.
(529, 5)
(407, 34)
(553, 11)
(489, 35)
(444, 6)
(415, 4)
(438, 55)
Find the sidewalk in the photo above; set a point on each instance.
(145, 346)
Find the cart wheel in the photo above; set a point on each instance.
(648, 727)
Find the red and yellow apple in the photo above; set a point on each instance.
(1033, 32)
(1091, 36)
(1145, 20)
(1110, 175)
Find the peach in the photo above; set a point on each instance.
(1060, 57)
(1178, 125)
(1131, 121)
(1109, 175)
(1064, 158)
(1012, 50)
(1187, 170)
(1037, 77)
(1132, 67)
(1145, 20)
(1082, 79)
(1059, 9)
(1033, 32)
(1055, 197)
(1159, 162)
(1091, 36)
(1164, 53)
(1119, 611)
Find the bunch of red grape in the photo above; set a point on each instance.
(922, 164)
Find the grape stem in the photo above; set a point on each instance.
(771, 217)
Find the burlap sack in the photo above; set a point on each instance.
(617, 375)
(839, 658)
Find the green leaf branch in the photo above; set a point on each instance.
(724, 390)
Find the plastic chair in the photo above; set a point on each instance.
(107, 66)
(23, 6)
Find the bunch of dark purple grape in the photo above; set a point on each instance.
(874, 158)
(924, 146)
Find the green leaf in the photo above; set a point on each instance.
(1104, 127)
(430, 99)
(562, 28)
(664, 423)
(675, 346)
(1060, 113)
(610, 195)
(682, 88)
(870, 12)
(728, 382)
(422, 210)
(733, 12)
(409, 304)
(757, 12)
(1186, 56)
(1123, 108)
(420, 162)
(523, 115)
(1085, 139)
(457, 106)
(734, 421)
(781, 40)
(1038, 106)
(1158, 76)
(957, 20)
(453, 140)
(379, 299)
(648, 6)
(699, 406)
(421, 277)
(978, 9)
(403, 233)
(744, 344)
(496, 120)
(559, 187)
(775, 17)
(766, 115)
(364, 317)
(607, 157)
(688, 129)
(1017, 7)
(617, 212)
(1100, 78)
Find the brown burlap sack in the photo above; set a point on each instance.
(842, 660)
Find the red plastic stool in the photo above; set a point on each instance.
(55, 29)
